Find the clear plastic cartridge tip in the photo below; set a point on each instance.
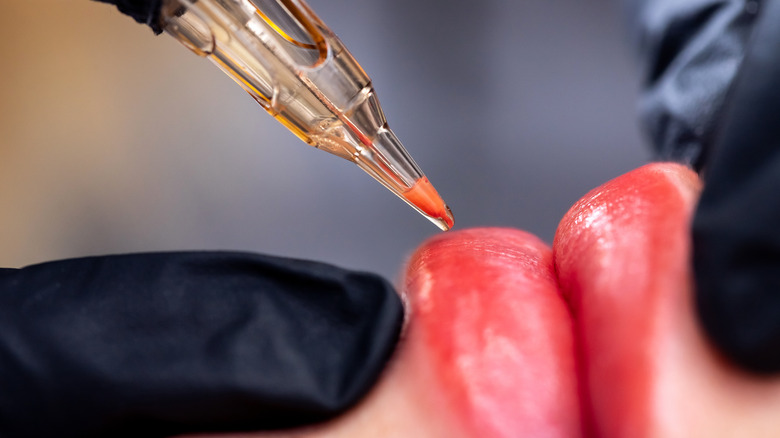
(288, 60)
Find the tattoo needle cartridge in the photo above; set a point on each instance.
(290, 62)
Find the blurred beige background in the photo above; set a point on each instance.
(114, 140)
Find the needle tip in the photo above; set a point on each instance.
(448, 218)
(427, 199)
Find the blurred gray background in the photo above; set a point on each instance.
(114, 140)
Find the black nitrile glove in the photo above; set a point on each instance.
(737, 225)
(142, 11)
(154, 345)
(691, 51)
(713, 99)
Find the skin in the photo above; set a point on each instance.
(594, 337)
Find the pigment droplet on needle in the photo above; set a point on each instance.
(426, 198)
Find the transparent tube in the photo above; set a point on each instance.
(300, 72)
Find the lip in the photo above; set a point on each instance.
(521, 343)
(621, 254)
(487, 317)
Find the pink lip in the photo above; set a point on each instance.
(522, 345)
(486, 307)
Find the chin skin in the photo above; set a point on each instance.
(597, 337)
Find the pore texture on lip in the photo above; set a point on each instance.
(486, 307)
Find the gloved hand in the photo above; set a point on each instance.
(712, 99)
(154, 345)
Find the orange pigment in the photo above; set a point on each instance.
(424, 196)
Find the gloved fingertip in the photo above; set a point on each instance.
(168, 343)
(142, 11)
(739, 309)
